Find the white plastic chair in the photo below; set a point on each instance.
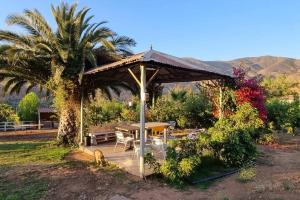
(159, 146)
(121, 139)
(136, 148)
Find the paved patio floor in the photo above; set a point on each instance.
(123, 159)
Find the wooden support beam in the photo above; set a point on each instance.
(153, 76)
(134, 77)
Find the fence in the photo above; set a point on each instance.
(13, 126)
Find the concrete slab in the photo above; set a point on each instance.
(126, 160)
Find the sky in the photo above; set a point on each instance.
(203, 29)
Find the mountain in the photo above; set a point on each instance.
(263, 65)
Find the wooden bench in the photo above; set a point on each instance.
(97, 138)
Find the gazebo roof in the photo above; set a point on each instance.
(169, 69)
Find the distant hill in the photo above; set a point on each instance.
(263, 65)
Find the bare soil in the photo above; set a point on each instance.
(278, 177)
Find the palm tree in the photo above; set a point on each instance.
(56, 60)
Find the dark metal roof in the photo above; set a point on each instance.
(171, 69)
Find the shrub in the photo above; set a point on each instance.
(165, 110)
(268, 138)
(28, 107)
(235, 149)
(279, 86)
(247, 174)
(7, 113)
(284, 115)
(198, 111)
(182, 161)
(104, 110)
(231, 138)
(192, 110)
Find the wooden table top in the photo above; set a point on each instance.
(127, 128)
(149, 125)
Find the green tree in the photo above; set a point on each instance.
(279, 86)
(57, 59)
(7, 113)
(28, 107)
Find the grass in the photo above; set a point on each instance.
(19, 153)
(28, 184)
(247, 174)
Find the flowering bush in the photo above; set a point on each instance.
(250, 91)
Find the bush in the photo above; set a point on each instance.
(198, 111)
(268, 138)
(235, 149)
(189, 110)
(7, 113)
(103, 110)
(28, 107)
(284, 115)
(165, 110)
(247, 174)
(182, 161)
(232, 137)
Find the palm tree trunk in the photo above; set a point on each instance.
(68, 123)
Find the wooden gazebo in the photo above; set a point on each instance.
(154, 67)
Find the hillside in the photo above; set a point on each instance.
(264, 65)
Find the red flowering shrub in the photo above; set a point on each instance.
(248, 90)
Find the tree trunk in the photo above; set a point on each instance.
(68, 123)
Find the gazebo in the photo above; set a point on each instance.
(154, 67)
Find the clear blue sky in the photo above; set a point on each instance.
(204, 29)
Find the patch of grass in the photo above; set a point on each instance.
(247, 174)
(287, 186)
(28, 186)
(22, 153)
(19, 153)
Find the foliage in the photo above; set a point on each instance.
(247, 174)
(182, 161)
(231, 137)
(28, 107)
(194, 110)
(198, 111)
(165, 110)
(132, 113)
(178, 94)
(284, 115)
(101, 111)
(56, 59)
(249, 91)
(279, 86)
(265, 139)
(7, 113)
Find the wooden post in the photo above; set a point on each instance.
(39, 118)
(142, 119)
(81, 120)
(221, 114)
(165, 135)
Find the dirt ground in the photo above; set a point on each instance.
(278, 177)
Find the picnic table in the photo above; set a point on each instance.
(153, 125)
